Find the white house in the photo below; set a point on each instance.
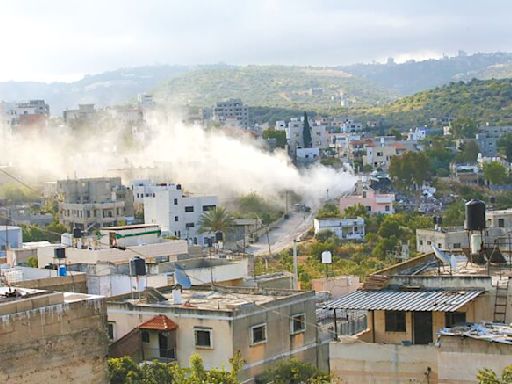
(345, 229)
(308, 155)
(177, 213)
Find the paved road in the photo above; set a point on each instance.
(282, 237)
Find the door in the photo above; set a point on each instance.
(163, 344)
(422, 326)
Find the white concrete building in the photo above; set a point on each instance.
(308, 155)
(178, 214)
(419, 133)
(345, 229)
(230, 111)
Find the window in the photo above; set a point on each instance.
(189, 208)
(501, 223)
(175, 201)
(298, 324)
(203, 337)
(439, 245)
(454, 318)
(429, 242)
(259, 334)
(190, 225)
(386, 208)
(394, 321)
(175, 218)
(207, 208)
(111, 330)
(456, 245)
(368, 208)
(421, 242)
(145, 336)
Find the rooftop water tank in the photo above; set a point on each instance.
(137, 266)
(475, 215)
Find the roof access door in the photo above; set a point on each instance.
(422, 326)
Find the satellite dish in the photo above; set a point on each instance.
(442, 256)
(326, 257)
(181, 277)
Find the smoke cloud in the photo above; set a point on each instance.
(204, 161)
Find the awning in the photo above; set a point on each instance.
(429, 301)
(160, 323)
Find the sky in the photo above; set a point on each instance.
(62, 40)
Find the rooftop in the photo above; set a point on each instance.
(226, 299)
(492, 332)
(392, 300)
(159, 322)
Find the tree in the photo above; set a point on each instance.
(463, 128)
(306, 133)
(411, 167)
(354, 211)
(216, 220)
(395, 132)
(505, 146)
(469, 152)
(293, 371)
(495, 173)
(488, 376)
(279, 136)
(328, 211)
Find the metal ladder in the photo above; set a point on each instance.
(500, 305)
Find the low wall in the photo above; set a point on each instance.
(370, 363)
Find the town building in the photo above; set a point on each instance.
(177, 212)
(84, 114)
(265, 326)
(373, 202)
(487, 138)
(307, 156)
(10, 237)
(52, 337)
(379, 154)
(344, 229)
(24, 113)
(415, 312)
(94, 202)
(232, 111)
(24, 215)
(419, 133)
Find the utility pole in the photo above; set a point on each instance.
(295, 266)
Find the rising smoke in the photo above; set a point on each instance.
(204, 161)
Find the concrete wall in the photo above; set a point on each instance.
(382, 363)
(56, 343)
(455, 360)
(337, 286)
(70, 283)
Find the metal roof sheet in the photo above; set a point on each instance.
(429, 301)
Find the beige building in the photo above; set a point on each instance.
(52, 337)
(264, 325)
(95, 202)
(416, 311)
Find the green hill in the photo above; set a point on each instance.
(288, 87)
(481, 100)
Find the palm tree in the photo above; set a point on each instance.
(216, 220)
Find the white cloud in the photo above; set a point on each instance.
(59, 39)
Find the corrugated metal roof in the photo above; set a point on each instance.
(441, 301)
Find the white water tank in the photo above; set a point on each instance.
(66, 239)
(475, 243)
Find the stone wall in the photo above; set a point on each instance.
(56, 343)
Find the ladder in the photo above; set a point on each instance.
(500, 305)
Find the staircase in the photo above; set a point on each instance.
(500, 305)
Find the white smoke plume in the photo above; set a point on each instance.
(203, 161)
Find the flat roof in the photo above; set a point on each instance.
(388, 300)
(491, 332)
(126, 227)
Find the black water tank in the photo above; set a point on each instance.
(59, 253)
(77, 233)
(137, 267)
(475, 215)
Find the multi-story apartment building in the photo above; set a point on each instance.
(177, 213)
(24, 113)
(488, 136)
(264, 326)
(232, 111)
(294, 134)
(84, 113)
(95, 202)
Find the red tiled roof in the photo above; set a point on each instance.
(159, 322)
